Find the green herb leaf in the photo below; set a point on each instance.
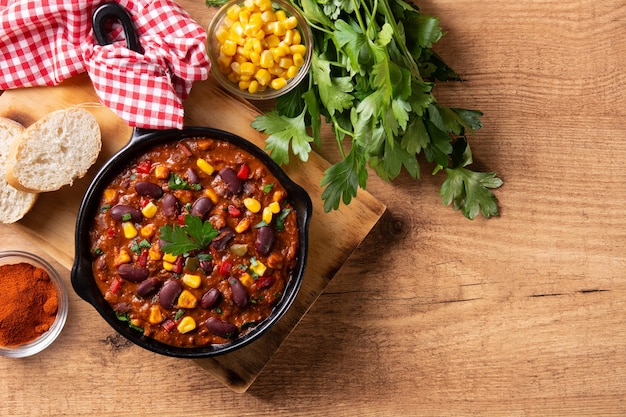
(176, 182)
(284, 132)
(194, 235)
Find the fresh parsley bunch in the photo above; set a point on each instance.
(372, 77)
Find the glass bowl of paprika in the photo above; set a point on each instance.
(33, 306)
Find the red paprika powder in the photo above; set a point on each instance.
(28, 305)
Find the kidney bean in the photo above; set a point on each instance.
(170, 205)
(225, 236)
(169, 293)
(233, 183)
(240, 295)
(206, 265)
(148, 189)
(192, 177)
(210, 298)
(264, 240)
(133, 273)
(148, 286)
(120, 211)
(201, 206)
(221, 328)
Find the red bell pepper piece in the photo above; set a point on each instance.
(225, 267)
(243, 172)
(144, 167)
(233, 211)
(116, 285)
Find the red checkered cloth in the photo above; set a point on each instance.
(45, 42)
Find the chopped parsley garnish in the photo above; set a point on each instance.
(176, 182)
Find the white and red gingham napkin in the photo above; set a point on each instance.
(45, 42)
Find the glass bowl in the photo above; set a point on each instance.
(46, 338)
(219, 62)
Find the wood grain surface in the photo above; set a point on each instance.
(433, 314)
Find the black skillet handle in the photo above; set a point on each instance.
(108, 12)
(102, 16)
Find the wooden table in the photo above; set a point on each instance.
(433, 314)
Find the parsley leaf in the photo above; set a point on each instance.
(284, 131)
(194, 235)
(469, 191)
(343, 180)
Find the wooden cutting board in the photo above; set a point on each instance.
(333, 236)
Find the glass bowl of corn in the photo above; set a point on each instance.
(259, 49)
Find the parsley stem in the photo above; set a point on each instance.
(401, 43)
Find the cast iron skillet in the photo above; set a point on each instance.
(82, 277)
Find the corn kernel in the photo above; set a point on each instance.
(168, 266)
(280, 15)
(236, 67)
(263, 4)
(267, 59)
(278, 196)
(130, 231)
(205, 166)
(258, 268)
(155, 316)
(229, 47)
(110, 195)
(154, 254)
(221, 34)
(211, 194)
(297, 37)
(147, 230)
(290, 22)
(279, 28)
(246, 279)
(253, 87)
(268, 16)
(161, 172)
(285, 62)
(243, 85)
(171, 258)
(244, 16)
(298, 49)
(243, 225)
(276, 71)
(149, 210)
(123, 257)
(292, 71)
(224, 61)
(274, 207)
(233, 12)
(263, 76)
(267, 215)
(186, 325)
(187, 300)
(192, 280)
(278, 83)
(247, 68)
(272, 41)
(298, 60)
(252, 204)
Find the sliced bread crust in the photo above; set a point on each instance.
(14, 204)
(54, 151)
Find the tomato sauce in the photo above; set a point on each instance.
(194, 242)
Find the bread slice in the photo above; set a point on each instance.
(54, 151)
(14, 204)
